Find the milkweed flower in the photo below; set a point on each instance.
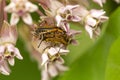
(4, 68)
(63, 14)
(66, 14)
(8, 51)
(93, 20)
(51, 61)
(53, 69)
(20, 8)
(50, 43)
(52, 53)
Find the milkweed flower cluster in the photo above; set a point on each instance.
(50, 38)
(20, 8)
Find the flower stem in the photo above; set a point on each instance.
(5, 14)
(1, 13)
(40, 13)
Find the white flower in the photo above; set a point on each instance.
(8, 51)
(4, 69)
(53, 69)
(52, 54)
(92, 21)
(20, 8)
(8, 37)
(65, 14)
(53, 62)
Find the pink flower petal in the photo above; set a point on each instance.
(60, 60)
(52, 70)
(66, 26)
(52, 51)
(45, 75)
(62, 51)
(58, 20)
(103, 18)
(10, 7)
(44, 58)
(97, 13)
(11, 61)
(73, 32)
(5, 30)
(2, 49)
(89, 30)
(70, 7)
(27, 19)
(4, 71)
(61, 67)
(90, 21)
(10, 47)
(14, 19)
(8, 33)
(31, 7)
(17, 53)
(74, 42)
(76, 19)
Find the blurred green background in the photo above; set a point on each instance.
(90, 60)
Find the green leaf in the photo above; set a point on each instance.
(113, 63)
(92, 64)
